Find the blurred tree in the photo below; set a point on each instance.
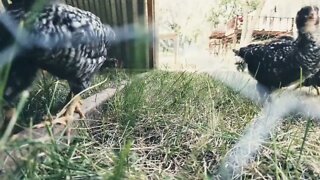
(246, 31)
(226, 9)
(187, 18)
(194, 20)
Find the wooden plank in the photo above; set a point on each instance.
(95, 8)
(117, 50)
(107, 8)
(9, 160)
(89, 7)
(103, 12)
(168, 36)
(86, 5)
(125, 22)
(119, 13)
(140, 43)
(80, 4)
(113, 12)
(153, 51)
(74, 3)
(136, 42)
(128, 45)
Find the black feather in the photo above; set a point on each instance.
(69, 43)
(282, 62)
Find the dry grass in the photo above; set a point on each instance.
(172, 126)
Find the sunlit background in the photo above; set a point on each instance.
(185, 27)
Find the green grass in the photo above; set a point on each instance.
(163, 125)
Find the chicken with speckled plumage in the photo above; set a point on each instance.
(281, 62)
(67, 42)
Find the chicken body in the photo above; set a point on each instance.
(281, 62)
(69, 43)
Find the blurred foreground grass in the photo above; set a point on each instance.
(163, 125)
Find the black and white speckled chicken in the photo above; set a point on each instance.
(247, 51)
(67, 42)
(281, 62)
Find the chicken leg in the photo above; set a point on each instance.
(66, 115)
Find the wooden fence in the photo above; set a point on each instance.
(265, 28)
(134, 18)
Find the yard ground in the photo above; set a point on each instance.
(178, 122)
(164, 125)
